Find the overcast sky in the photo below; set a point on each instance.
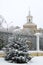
(17, 10)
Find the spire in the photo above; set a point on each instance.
(29, 12)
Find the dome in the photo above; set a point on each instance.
(29, 25)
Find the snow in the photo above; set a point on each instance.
(1, 51)
(36, 51)
(34, 61)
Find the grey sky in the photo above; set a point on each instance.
(17, 10)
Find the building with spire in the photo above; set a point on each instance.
(35, 36)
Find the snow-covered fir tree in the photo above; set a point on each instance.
(17, 50)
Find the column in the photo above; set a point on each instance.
(37, 42)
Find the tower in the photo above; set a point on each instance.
(30, 25)
(29, 17)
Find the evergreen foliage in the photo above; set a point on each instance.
(17, 50)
